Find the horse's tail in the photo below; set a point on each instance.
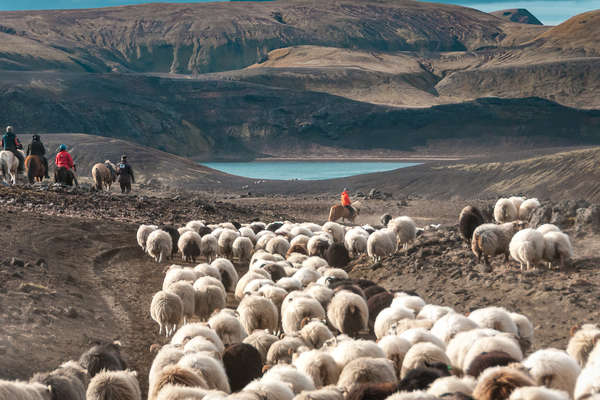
(97, 176)
(332, 214)
(3, 168)
(28, 166)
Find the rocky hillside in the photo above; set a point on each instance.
(520, 15)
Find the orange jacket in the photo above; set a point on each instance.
(345, 199)
(63, 159)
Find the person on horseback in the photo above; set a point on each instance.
(36, 148)
(347, 203)
(12, 144)
(63, 158)
(125, 174)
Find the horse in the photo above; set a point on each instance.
(35, 168)
(104, 175)
(9, 164)
(65, 176)
(339, 211)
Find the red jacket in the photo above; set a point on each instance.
(63, 159)
(345, 199)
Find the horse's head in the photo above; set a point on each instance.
(112, 168)
(356, 205)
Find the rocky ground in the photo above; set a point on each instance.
(71, 272)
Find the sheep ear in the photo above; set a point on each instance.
(573, 330)
(266, 368)
(117, 343)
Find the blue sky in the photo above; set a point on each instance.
(550, 12)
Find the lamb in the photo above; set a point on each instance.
(257, 312)
(450, 324)
(381, 243)
(114, 385)
(282, 350)
(336, 231)
(225, 242)
(228, 327)
(175, 375)
(67, 382)
(159, 245)
(367, 370)
(405, 229)
(103, 356)
(242, 248)
(348, 313)
(16, 390)
(315, 333)
(527, 247)
(167, 310)
(524, 331)
(261, 340)
(189, 245)
(185, 291)
(554, 369)
(387, 317)
(538, 393)
(288, 374)
(142, 234)
(208, 368)
(269, 389)
(452, 384)
(582, 343)
(421, 355)
(319, 366)
(499, 382)
(505, 211)
(277, 245)
(470, 218)
(356, 241)
(492, 240)
(588, 383)
(545, 228)
(190, 331)
(494, 318)
(527, 208)
(209, 247)
(229, 275)
(208, 298)
(395, 349)
(557, 246)
(299, 309)
(243, 364)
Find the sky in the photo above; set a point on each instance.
(550, 12)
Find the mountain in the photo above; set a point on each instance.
(519, 15)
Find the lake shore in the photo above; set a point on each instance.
(418, 159)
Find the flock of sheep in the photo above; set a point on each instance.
(302, 329)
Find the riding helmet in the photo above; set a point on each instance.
(62, 147)
(36, 137)
(9, 129)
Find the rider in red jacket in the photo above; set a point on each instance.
(346, 201)
(63, 158)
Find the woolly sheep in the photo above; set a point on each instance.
(582, 343)
(335, 230)
(190, 331)
(405, 229)
(348, 350)
(422, 335)
(460, 344)
(104, 355)
(281, 351)
(327, 272)
(229, 275)
(527, 247)
(325, 393)
(240, 287)
(175, 375)
(545, 228)
(208, 281)
(208, 298)
(166, 356)
(348, 313)
(261, 340)
(494, 318)
(414, 303)
(195, 225)
(395, 348)
(452, 384)
(277, 245)
(355, 241)
(67, 382)
(228, 327)
(499, 382)
(490, 240)
(16, 390)
(487, 360)
(588, 383)
(207, 367)
(189, 245)
(288, 374)
(185, 291)
(387, 317)
(206, 270)
(450, 324)
(242, 248)
(257, 312)
(273, 293)
(176, 274)
(489, 344)
(417, 395)
(524, 331)
(505, 211)
(314, 262)
(209, 247)
(554, 369)
(538, 393)
(367, 370)
(381, 243)
(317, 245)
(270, 389)
(225, 242)
(469, 219)
(248, 233)
(301, 230)
(159, 245)
(319, 366)
(527, 207)
(114, 385)
(289, 284)
(399, 327)
(421, 354)
(142, 234)
(176, 392)
(306, 276)
(315, 333)
(200, 344)
(262, 239)
(167, 310)
(557, 246)
(299, 309)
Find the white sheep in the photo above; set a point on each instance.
(496, 318)
(433, 312)
(387, 317)
(17, 390)
(289, 284)
(588, 383)
(288, 374)
(225, 242)
(196, 225)
(159, 245)
(450, 325)
(208, 280)
(261, 340)
(270, 389)
(525, 330)
(416, 395)
(200, 344)
(405, 229)
(460, 344)
(297, 310)
(582, 343)
(395, 348)
(110, 385)
(240, 287)
(229, 275)
(557, 246)
(321, 293)
(527, 208)
(545, 228)
(209, 247)
(505, 211)
(306, 276)
(142, 234)
(314, 262)
(190, 331)
(399, 327)
(315, 333)
(355, 241)
(277, 245)
(452, 384)
(228, 327)
(178, 392)
(167, 355)
(381, 243)
(348, 312)
(336, 231)
(326, 393)
(167, 310)
(208, 297)
(527, 247)
(421, 354)
(554, 369)
(318, 244)
(492, 343)
(282, 351)
(319, 366)
(189, 245)
(273, 293)
(414, 303)
(367, 370)
(208, 368)
(257, 312)
(490, 240)
(537, 393)
(206, 270)
(347, 350)
(262, 239)
(242, 248)
(186, 293)
(246, 231)
(176, 274)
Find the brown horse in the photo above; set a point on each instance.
(35, 168)
(65, 176)
(339, 211)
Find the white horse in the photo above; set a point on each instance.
(9, 164)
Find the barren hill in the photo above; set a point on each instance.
(520, 15)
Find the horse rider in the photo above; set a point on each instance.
(125, 174)
(36, 148)
(346, 202)
(63, 158)
(12, 144)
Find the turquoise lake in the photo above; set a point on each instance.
(305, 170)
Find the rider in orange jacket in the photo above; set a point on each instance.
(346, 201)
